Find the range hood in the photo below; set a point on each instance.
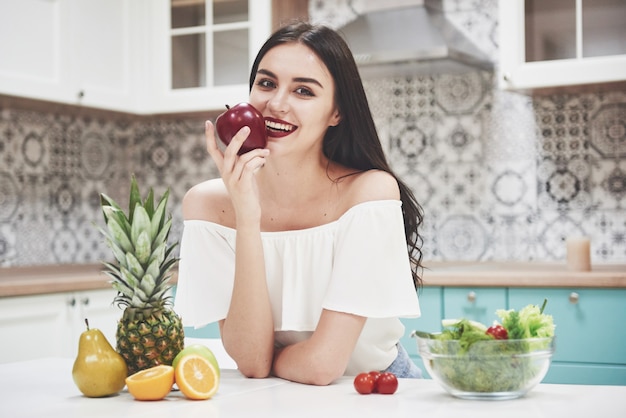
(412, 37)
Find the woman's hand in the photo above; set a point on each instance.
(237, 171)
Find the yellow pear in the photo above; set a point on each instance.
(98, 370)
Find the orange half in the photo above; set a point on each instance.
(197, 377)
(151, 384)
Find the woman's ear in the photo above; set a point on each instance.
(335, 118)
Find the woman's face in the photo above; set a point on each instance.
(295, 93)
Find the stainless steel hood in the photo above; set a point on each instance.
(414, 38)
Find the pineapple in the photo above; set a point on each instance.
(150, 332)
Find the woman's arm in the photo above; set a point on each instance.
(324, 357)
(247, 331)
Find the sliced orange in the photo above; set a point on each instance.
(197, 377)
(151, 384)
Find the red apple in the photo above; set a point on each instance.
(234, 118)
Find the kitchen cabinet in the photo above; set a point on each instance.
(134, 56)
(477, 304)
(50, 325)
(590, 333)
(559, 43)
(202, 52)
(79, 52)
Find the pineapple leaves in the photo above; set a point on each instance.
(134, 266)
(158, 218)
(148, 203)
(135, 198)
(105, 203)
(119, 235)
(118, 253)
(117, 215)
(138, 240)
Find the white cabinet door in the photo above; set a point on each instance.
(96, 306)
(34, 52)
(70, 51)
(35, 327)
(102, 53)
(50, 325)
(561, 43)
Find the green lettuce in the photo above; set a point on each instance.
(528, 322)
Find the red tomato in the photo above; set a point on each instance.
(498, 332)
(375, 374)
(387, 383)
(364, 383)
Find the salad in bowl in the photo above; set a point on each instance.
(502, 361)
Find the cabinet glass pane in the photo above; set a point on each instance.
(227, 11)
(550, 29)
(604, 27)
(230, 57)
(188, 61)
(187, 13)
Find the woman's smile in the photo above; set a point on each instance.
(277, 128)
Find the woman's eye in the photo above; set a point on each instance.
(265, 83)
(304, 91)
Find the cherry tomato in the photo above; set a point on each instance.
(375, 374)
(387, 383)
(364, 383)
(498, 332)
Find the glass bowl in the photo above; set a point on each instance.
(493, 369)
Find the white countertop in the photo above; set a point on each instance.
(44, 388)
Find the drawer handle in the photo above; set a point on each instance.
(471, 297)
(573, 298)
(85, 301)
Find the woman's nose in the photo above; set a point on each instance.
(278, 103)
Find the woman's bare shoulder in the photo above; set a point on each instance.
(207, 201)
(372, 185)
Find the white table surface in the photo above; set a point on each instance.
(44, 388)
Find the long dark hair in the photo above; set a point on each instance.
(354, 142)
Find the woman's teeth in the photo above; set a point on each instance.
(278, 126)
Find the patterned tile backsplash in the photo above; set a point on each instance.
(501, 176)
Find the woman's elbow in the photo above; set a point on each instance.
(254, 371)
(324, 376)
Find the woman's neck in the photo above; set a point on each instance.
(298, 196)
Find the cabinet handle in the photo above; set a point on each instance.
(471, 296)
(71, 302)
(506, 77)
(573, 298)
(85, 301)
(81, 94)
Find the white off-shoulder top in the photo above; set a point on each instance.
(357, 264)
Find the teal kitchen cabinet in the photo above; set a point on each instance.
(590, 332)
(208, 331)
(478, 304)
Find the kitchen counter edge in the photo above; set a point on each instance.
(34, 280)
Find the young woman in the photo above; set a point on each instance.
(307, 251)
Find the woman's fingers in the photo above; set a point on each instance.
(249, 163)
(234, 167)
